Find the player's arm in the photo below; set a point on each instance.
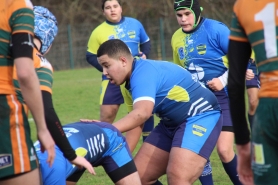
(142, 110)
(22, 49)
(145, 48)
(92, 47)
(55, 127)
(238, 55)
(92, 59)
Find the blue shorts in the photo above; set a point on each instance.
(110, 93)
(198, 134)
(253, 83)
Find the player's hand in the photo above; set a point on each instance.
(81, 162)
(244, 164)
(89, 120)
(249, 74)
(47, 144)
(215, 84)
(142, 55)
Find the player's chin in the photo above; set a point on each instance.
(113, 82)
(187, 28)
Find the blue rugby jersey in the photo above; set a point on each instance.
(203, 50)
(129, 30)
(89, 140)
(177, 95)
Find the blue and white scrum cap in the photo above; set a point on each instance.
(46, 27)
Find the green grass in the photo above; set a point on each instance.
(76, 95)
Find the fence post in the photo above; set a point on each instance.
(70, 48)
(162, 41)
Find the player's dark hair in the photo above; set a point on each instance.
(103, 2)
(113, 48)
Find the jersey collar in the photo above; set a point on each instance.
(112, 23)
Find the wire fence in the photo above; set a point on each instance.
(70, 46)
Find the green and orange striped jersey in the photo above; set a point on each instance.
(16, 16)
(44, 71)
(256, 22)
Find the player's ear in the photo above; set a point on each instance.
(123, 60)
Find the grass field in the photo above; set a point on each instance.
(76, 95)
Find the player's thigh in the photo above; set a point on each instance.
(133, 179)
(28, 178)
(265, 142)
(108, 113)
(151, 162)
(17, 154)
(183, 160)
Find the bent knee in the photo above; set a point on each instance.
(226, 154)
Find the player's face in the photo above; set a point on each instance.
(113, 69)
(185, 19)
(112, 11)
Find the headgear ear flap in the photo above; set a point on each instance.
(192, 5)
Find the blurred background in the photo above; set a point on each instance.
(78, 18)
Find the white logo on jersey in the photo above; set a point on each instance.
(71, 130)
(96, 144)
(199, 71)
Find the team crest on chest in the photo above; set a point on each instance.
(202, 49)
(131, 34)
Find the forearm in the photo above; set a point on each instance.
(146, 48)
(133, 136)
(55, 127)
(224, 78)
(238, 55)
(132, 120)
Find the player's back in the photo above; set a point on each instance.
(12, 12)
(260, 22)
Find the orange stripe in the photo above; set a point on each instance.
(269, 84)
(267, 61)
(45, 88)
(18, 140)
(238, 39)
(25, 152)
(23, 31)
(14, 142)
(4, 40)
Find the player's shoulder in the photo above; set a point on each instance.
(12, 6)
(100, 28)
(177, 33)
(240, 3)
(19, 4)
(132, 20)
(214, 24)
